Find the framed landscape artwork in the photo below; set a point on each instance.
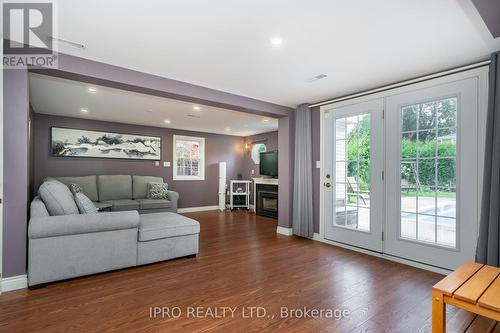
(67, 142)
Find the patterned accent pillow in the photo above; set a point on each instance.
(75, 188)
(85, 205)
(157, 191)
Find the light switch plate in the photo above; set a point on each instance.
(253, 171)
(166, 164)
(318, 164)
(157, 163)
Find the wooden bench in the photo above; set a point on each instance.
(473, 287)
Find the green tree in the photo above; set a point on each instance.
(432, 172)
(358, 151)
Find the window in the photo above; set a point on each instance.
(352, 172)
(258, 148)
(428, 171)
(189, 158)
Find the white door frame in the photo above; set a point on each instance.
(481, 73)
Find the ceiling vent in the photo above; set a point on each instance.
(316, 78)
(193, 116)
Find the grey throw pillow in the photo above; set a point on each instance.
(57, 198)
(85, 205)
(157, 191)
(75, 188)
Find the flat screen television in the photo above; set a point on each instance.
(269, 164)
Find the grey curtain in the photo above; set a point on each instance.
(488, 246)
(302, 181)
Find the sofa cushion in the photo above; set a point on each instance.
(53, 226)
(114, 187)
(57, 198)
(38, 209)
(123, 205)
(85, 205)
(140, 185)
(166, 225)
(154, 203)
(157, 191)
(102, 205)
(87, 183)
(75, 188)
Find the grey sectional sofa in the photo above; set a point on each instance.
(68, 244)
(123, 192)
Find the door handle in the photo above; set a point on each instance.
(327, 184)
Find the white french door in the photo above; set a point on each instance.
(353, 185)
(431, 163)
(400, 172)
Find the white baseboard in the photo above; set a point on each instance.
(317, 237)
(197, 209)
(14, 283)
(284, 231)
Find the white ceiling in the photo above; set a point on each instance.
(225, 44)
(55, 96)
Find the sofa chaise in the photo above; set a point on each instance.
(63, 244)
(122, 192)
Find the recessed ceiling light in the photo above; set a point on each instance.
(83, 110)
(266, 120)
(196, 108)
(228, 129)
(92, 90)
(167, 121)
(276, 41)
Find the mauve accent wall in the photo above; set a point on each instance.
(218, 148)
(490, 13)
(286, 136)
(271, 141)
(15, 171)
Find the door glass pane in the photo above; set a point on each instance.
(426, 228)
(352, 181)
(426, 116)
(428, 172)
(408, 225)
(447, 139)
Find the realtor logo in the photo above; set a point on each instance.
(28, 34)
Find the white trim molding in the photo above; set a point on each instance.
(14, 283)
(197, 209)
(284, 231)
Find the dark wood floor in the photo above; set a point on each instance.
(242, 263)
